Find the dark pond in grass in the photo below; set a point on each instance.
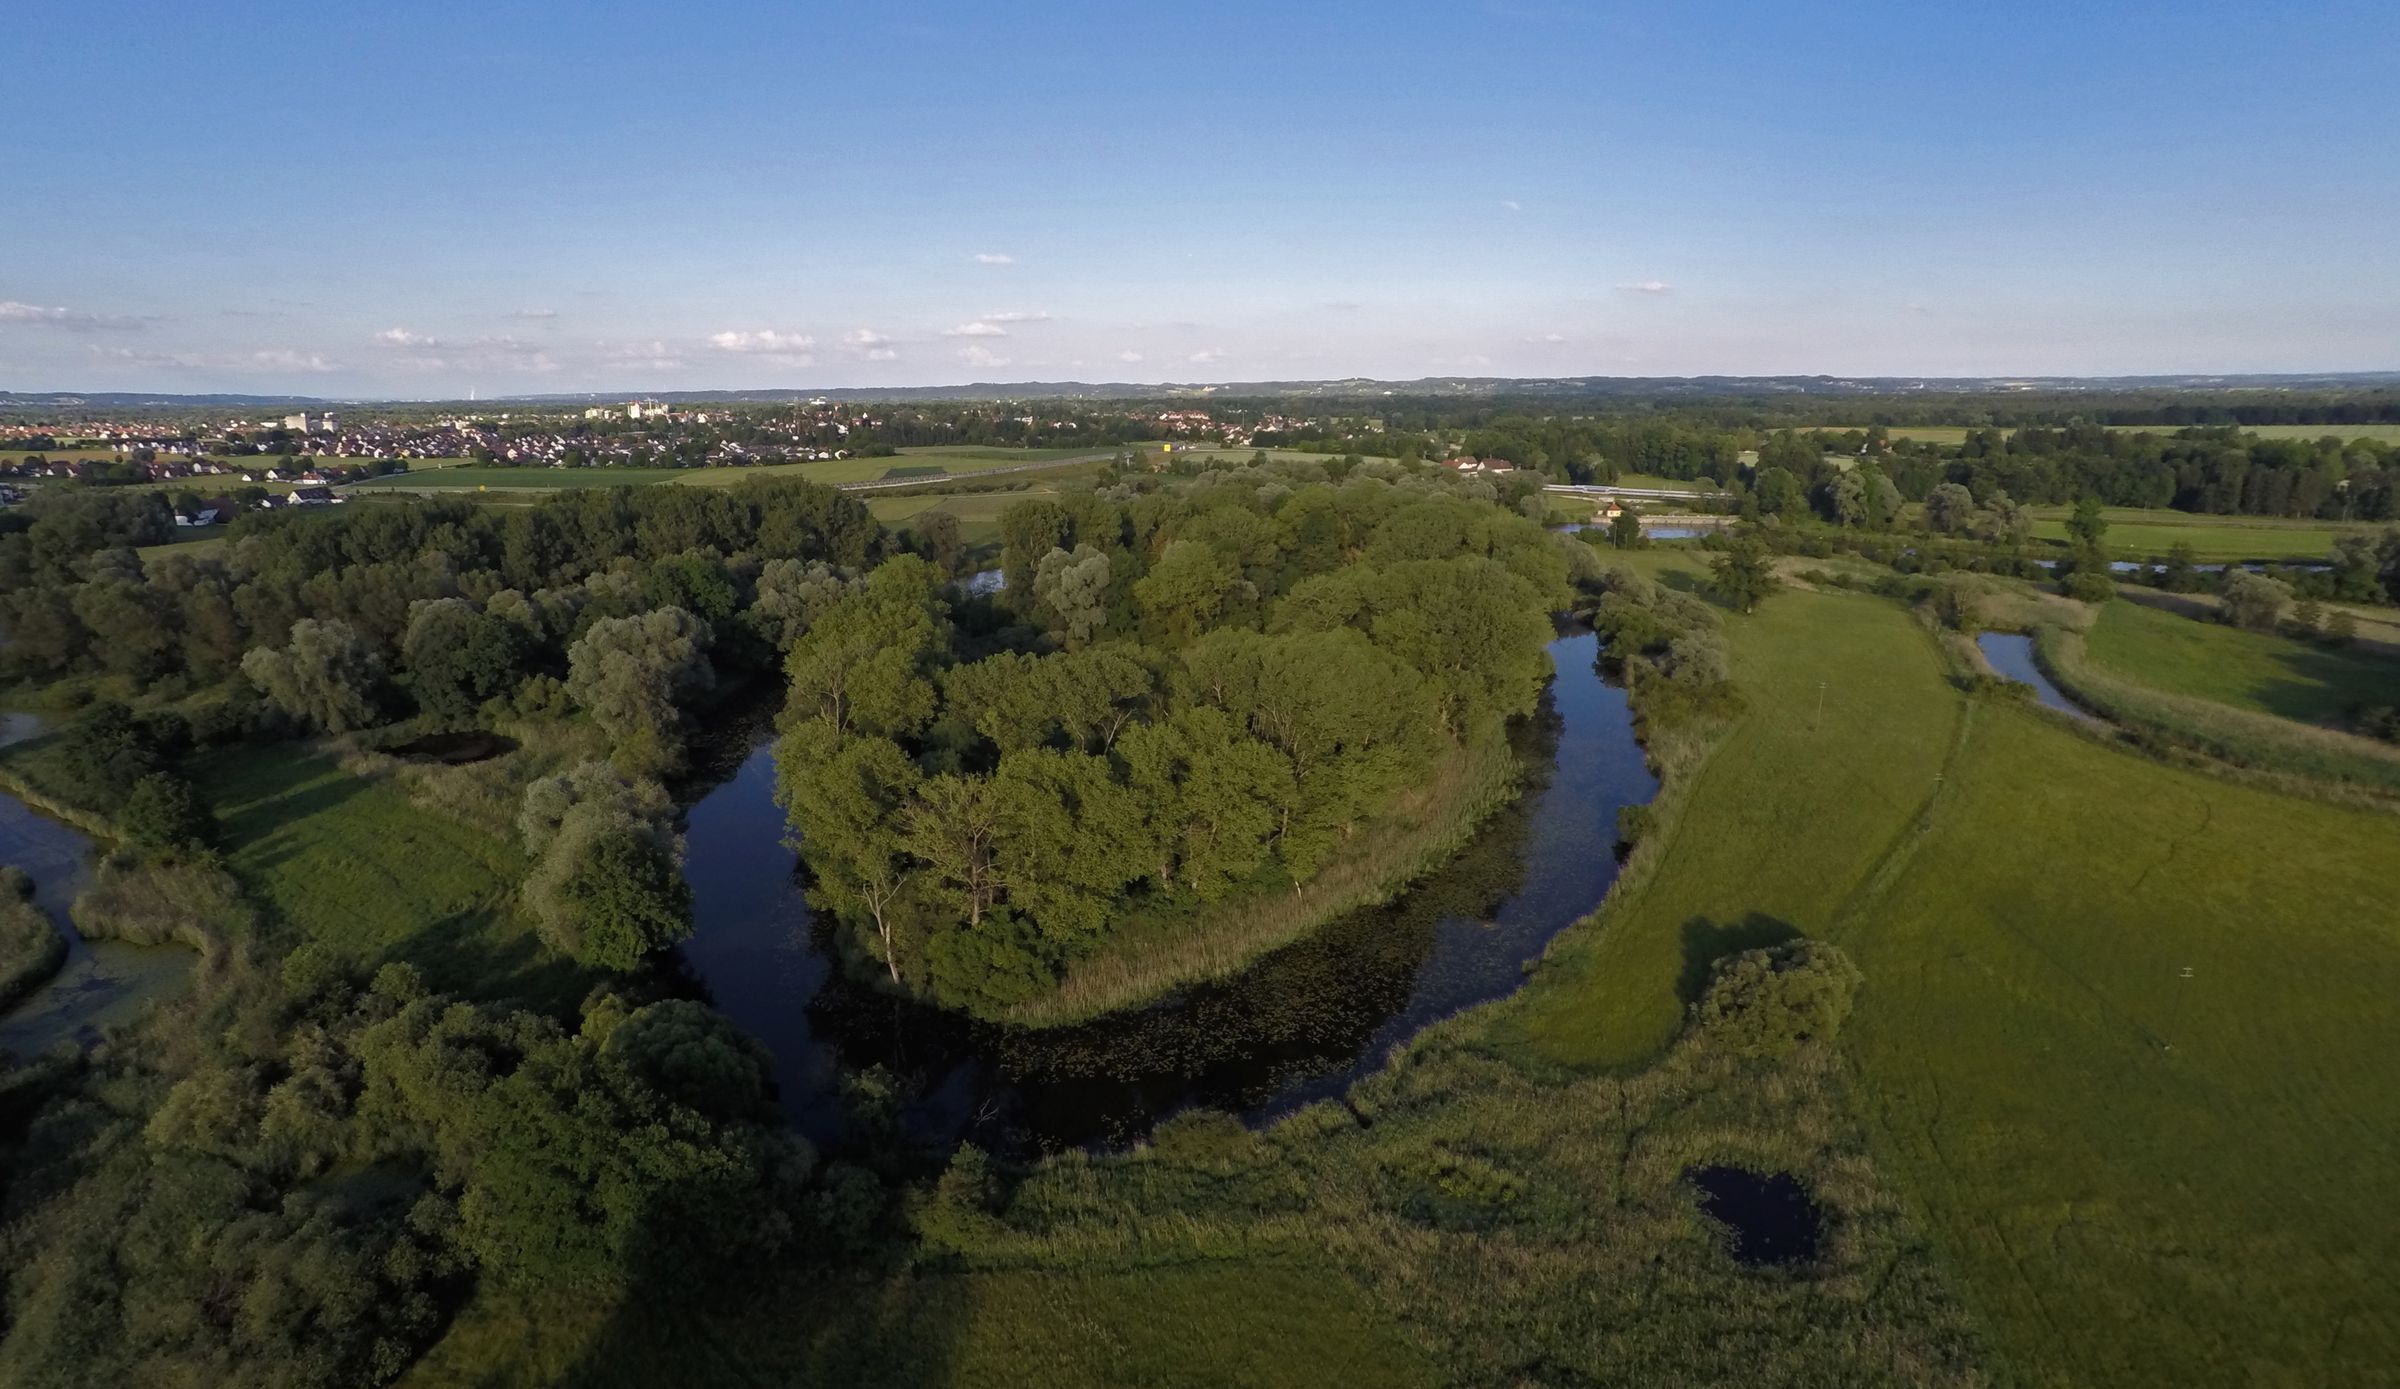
(2011, 654)
(1769, 1218)
(455, 749)
(1301, 1024)
(102, 982)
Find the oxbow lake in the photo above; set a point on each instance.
(2011, 654)
(1301, 1024)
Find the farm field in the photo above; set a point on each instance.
(2381, 433)
(2136, 533)
(473, 477)
(1906, 433)
(2260, 671)
(2134, 1175)
(934, 464)
(931, 463)
(350, 863)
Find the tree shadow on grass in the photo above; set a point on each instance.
(1705, 942)
(785, 1323)
(476, 954)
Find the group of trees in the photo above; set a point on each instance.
(1186, 690)
(296, 1180)
(623, 603)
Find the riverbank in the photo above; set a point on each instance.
(2294, 757)
(2118, 1046)
(1139, 966)
(32, 948)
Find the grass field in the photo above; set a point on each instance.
(195, 541)
(978, 513)
(1907, 433)
(1797, 810)
(1248, 1323)
(932, 463)
(2260, 671)
(350, 862)
(2126, 1040)
(2134, 533)
(2136, 1174)
(2381, 433)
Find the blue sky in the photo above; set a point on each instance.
(421, 199)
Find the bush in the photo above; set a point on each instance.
(31, 949)
(1764, 1004)
(164, 812)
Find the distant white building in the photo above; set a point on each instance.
(305, 423)
(645, 410)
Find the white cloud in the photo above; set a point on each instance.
(285, 359)
(402, 337)
(994, 258)
(1213, 354)
(1016, 318)
(653, 355)
(1129, 355)
(73, 320)
(867, 343)
(1648, 287)
(765, 342)
(136, 357)
(1548, 338)
(1512, 204)
(980, 328)
(534, 315)
(981, 356)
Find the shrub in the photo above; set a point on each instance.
(163, 812)
(2254, 600)
(1764, 1004)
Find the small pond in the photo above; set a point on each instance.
(102, 982)
(1768, 1219)
(1653, 530)
(1300, 1024)
(2011, 654)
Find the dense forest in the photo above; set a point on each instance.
(1200, 690)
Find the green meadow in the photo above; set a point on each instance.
(353, 864)
(2135, 533)
(472, 477)
(2122, 1040)
(2382, 433)
(2260, 671)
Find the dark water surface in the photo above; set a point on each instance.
(1301, 1024)
(2011, 654)
(1770, 1218)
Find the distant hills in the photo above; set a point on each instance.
(1349, 388)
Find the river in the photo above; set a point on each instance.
(1301, 1024)
(102, 982)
